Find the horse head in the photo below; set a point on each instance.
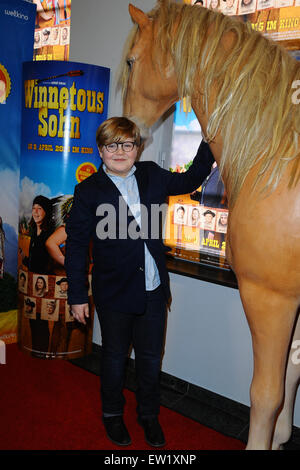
(150, 83)
(239, 84)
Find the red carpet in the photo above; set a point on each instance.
(54, 405)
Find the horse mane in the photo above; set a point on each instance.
(253, 105)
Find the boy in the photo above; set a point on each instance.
(114, 209)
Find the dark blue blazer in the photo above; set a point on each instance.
(118, 278)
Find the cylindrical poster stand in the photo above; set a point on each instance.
(63, 104)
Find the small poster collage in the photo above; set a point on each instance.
(201, 216)
(244, 7)
(52, 36)
(278, 20)
(44, 294)
(211, 222)
(196, 232)
(47, 328)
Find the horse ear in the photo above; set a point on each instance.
(138, 16)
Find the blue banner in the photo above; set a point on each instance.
(17, 22)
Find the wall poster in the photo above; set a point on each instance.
(63, 105)
(277, 19)
(52, 30)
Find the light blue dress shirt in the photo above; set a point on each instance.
(129, 189)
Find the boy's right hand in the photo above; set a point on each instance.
(80, 312)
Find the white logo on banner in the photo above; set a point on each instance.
(16, 14)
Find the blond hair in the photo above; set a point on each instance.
(250, 83)
(116, 129)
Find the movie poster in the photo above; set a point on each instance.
(279, 24)
(278, 20)
(16, 37)
(197, 232)
(52, 30)
(63, 105)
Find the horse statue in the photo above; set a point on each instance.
(243, 90)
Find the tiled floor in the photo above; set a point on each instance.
(219, 413)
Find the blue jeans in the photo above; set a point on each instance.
(146, 333)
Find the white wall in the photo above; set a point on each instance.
(208, 340)
(98, 32)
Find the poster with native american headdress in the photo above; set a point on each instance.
(63, 105)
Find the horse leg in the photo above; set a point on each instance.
(271, 316)
(283, 427)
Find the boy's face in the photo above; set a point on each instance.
(119, 163)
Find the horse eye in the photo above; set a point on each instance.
(129, 63)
